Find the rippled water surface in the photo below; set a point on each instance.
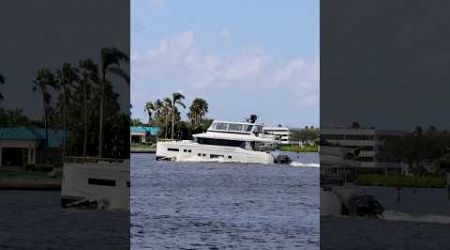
(223, 206)
(36, 220)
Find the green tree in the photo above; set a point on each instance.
(66, 77)
(150, 107)
(89, 77)
(110, 63)
(45, 80)
(177, 99)
(167, 111)
(197, 111)
(136, 122)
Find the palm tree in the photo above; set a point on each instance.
(167, 110)
(45, 79)
(111, 58)
(158, 109)
(89, 76)
(2, 81)
(198, 109)
(149, 108)
(66, 77)
(176, 100)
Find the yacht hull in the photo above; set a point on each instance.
(100, 185)
(189, 151)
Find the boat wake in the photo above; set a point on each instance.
(302, 164)
(392, 215)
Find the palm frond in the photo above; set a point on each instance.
(112, 56)
(119, 72)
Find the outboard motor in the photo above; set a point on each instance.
(364, 205)
(283, 159)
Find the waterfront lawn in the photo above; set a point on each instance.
(142, 147)
(400, 180)
(296, 148)
(22, 174)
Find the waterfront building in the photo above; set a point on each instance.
(282, 134)
(369, 143)
(20, 146)
(142, 133)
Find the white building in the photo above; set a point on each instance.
(283, 134)
(369, 141)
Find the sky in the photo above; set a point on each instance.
(385, 63)
(243, 57)
(32, 39)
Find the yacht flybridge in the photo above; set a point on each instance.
(223, 141)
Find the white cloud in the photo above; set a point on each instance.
(179, 59)
(302, 76)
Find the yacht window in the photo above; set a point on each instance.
(235, 127)
(101, 182)
(128, 184)
(221, 142)
(189, 150)
(212, 156)
(204, 154)
(221, 126)
(185, 150)
(173, 149)
(229, 157)
(199, 154)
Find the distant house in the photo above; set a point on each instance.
(369, 141)
(142, 133)
(20, 146)
(282, 134)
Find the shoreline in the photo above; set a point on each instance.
(20, 179)
(30, 184)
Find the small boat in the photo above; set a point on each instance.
(223, 142)
(96, 183)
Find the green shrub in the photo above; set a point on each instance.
(403, 181)
(41, 167)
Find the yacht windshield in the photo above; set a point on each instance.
(221, 126)
(235, 127)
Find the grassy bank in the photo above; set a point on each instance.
(404, 181)
(144, 147)
(296, 148)
(22, 174)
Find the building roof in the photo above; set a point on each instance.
(142, 129)
(55, 136)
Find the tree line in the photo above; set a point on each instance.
(80, 99)
(165, 114)
(308, 134)
(418, 147)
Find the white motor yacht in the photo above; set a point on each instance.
(223, 141)
(95, 183)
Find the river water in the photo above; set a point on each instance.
(36, 220)
(223, 205)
